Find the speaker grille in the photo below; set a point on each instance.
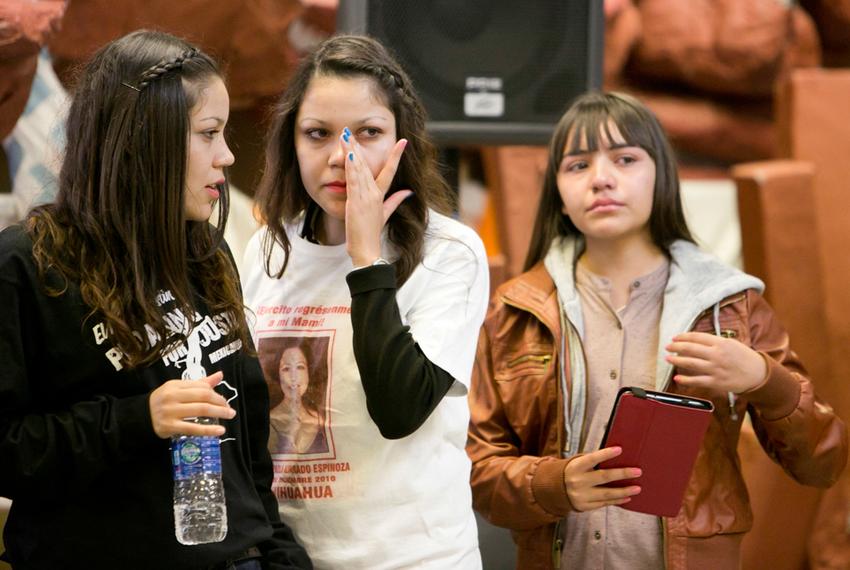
(523, 61)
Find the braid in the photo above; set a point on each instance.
(156, 71)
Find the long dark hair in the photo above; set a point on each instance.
(588, 116)
(118, 226)
(281, 195)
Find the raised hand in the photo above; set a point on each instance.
(584, 482)
(715, 362)
(366, 210)
(176, 400)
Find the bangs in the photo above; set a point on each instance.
(598, 125)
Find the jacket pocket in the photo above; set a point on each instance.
(531, 360)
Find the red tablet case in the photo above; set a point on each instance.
(662, 438)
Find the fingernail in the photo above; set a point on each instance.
(346, 133)
(351, 156)
(345, 136)
(232, 412)
(635, 472)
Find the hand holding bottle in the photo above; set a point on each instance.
(177, 400)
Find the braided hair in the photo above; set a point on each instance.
(156, 71)
(118, 227)
(281, 196)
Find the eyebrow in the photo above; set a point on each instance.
(218, 120)
(615, 146)
(359, 121)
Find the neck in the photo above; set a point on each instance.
(622, 261)
(330, 231)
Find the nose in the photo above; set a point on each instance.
(337, 156)
(603, 176)
(224, 157)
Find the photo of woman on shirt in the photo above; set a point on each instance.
(298, 412)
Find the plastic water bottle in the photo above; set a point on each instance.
(200, 513)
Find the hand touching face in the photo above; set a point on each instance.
(330, 105)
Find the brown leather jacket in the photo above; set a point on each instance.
(517, 431)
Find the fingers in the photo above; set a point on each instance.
(586, 485)
(585, 466)
(385, 177)
(689, 364)
(697, 338)
(693, 380)
(590, 460)
(608, 497)
(692, 349)
(394, 201)
(213, 379)
(176, 400)
(361, 173)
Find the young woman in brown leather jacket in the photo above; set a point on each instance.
(615, 294)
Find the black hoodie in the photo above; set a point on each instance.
(91, 483)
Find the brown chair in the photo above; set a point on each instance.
(814, 125)
(795, 223)
(778, 230)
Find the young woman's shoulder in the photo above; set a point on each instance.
(443, 231)
(15, 247)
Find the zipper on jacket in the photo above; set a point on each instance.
(541, 358)
(557, 546)
(557, 541)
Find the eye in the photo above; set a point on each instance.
(316, 133)
(368, 132)
(574, 166)
(626, 159)
(211, 133)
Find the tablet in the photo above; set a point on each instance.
(661, 433)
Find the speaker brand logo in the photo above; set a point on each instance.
(484, 97)
(483, 83)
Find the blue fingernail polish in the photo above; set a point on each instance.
(345, 137)
(351, 156)
(346, 132)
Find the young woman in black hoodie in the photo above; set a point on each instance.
(122, 316)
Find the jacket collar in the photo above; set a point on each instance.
(535, 292)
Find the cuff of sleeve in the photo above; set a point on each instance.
(779, 395)
(548, 486)
(136, 424)
(370, 278)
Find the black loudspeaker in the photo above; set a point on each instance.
(488, 71)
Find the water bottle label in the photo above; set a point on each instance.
(195, 456)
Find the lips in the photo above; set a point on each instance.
(337, 186)
(605, 205)
(214, 190)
